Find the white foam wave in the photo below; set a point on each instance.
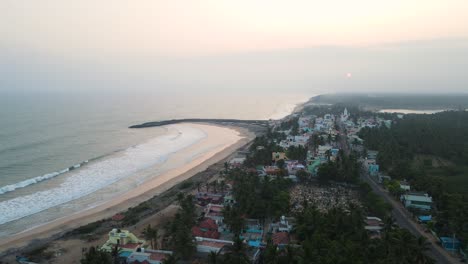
(99, 174)
(22, 184)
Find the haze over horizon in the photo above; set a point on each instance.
(242, 46)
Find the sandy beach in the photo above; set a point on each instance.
(226, 140)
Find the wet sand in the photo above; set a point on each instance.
(227, 140)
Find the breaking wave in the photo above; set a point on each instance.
(25, 183)
(99, 174)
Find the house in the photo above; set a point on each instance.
(373, 169)
(207, 228)
(373, 223)
(124, 239)
(304, 122)
(345, 115)
(271, 170)
(280, 239)
(424, 218)
(229, 200)
(374, 226)
(215, 212)
(253, 233)
(301, 140)
(208, 245)
(372, 154)
(323, 151)
(405, 186)
(203, 198)
(450, 243)
(383, 178)
(294, 166)
(236, 162)
(284, 225)
(275, 156)
(148, 256)
(312, 166)
(417, 201)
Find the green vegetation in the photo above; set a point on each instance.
(87, 229)
(297, 153)
(398, 101)
(430, 151)
(261, 150)
(96, 256)
(181, 240)
(260, 198)
(151, 235)
(339, 237)
(344, 169)
(374, 203)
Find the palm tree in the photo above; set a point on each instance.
(170, 260)
(115, 253)
(420, 247)
(151, 234)
(213, 257)
(389, 224)
(223, 186)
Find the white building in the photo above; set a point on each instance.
(150, 256)
(417, 201)
(345, 115)
(208, 245)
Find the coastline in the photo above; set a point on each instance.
(54, 230)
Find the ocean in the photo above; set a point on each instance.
(60, 154)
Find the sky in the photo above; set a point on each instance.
(242, 45)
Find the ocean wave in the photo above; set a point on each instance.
(25, 183)
(101, 173)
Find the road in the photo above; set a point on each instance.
(404, 220)
(399, 213)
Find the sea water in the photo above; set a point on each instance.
(61, 154)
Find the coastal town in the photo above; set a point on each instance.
(309, 169)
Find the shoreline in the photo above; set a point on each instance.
(56, 229)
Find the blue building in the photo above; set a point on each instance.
(450, 243)
(373, 169)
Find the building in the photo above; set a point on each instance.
(275, 156)
(373, 169)
(280, 239)
(304, 122)
(236, 162)
(207, 228)
(417, 201)
(253, 233)
(215, 212)
(148, 256)
(271, 170)
(372, 154)
(405, 186)
(345, 115)
(294, 167)
(208, 245)
(124, 239)
(450, 243)
(322, 151)
(373, 223)
(313, 165)
(424, 218)
(284, 225)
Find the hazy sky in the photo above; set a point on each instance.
(332, 45)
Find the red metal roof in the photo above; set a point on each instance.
(209, 224)
(280, 238)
